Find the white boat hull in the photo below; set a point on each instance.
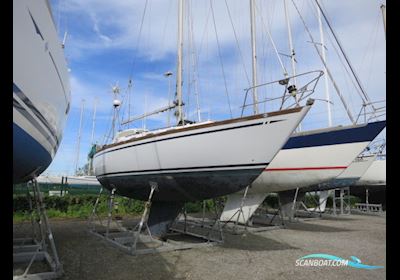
(298, 167)
(349, 176)
(375, 174)
(41, 94)
(346, 179)
(199, 162)
(70, 180)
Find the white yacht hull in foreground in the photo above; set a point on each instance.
(41, 94)
(196, 162)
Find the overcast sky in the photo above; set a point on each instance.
(109, 42)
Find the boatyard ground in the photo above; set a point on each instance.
(263, 255)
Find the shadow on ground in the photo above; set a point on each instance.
(85, 256)
(253, 242)
(313, 227)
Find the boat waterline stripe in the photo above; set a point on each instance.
(305, 168)
(34, 123)
(252, 166)
(181, 136)
(30, 105)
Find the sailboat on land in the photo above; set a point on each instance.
(192, 162)
(309, 158)
(41, 89)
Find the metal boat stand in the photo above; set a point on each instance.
(257, 223)
(36, 249)
(139, 240)
(301, 210)
(368, 207)
(344, 206)
(208, 230)
(263, 220)
(340, 195)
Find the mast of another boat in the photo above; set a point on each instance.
(116, 104)
(79, 137)
(335, 86)
(327, 95)
(253, 56)
(292, 53)
(383, 8)
(179, 111)
(364, 96)
(291, 48)
(93, 121)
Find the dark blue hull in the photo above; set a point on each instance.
(334, 136)
(364, 133)
(29, 157)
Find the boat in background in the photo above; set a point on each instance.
(72, 181)
(367, 172)
(347, 179)
(41, 90)
(307, 159)
(375, 174)
(350, 176)
(371, 188)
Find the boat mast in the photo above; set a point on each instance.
(383, 8)
(116, 104)
(327, 95)
(253, 56)
(327, 69)
(93, 121)
(79, 137)
(292, 53)
(179, 112)
(364, 95)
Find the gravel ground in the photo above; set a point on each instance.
(263, 255)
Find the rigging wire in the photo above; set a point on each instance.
(205, 31)
(349, 76)
(372, 37)
(344, 54)
(138, 38)
(327, 69)
(340, 58)
(266, 51)
(195, 65)
(220, 59)
(237, 43)
(285, 73)
(166, 23)
(373, 42)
